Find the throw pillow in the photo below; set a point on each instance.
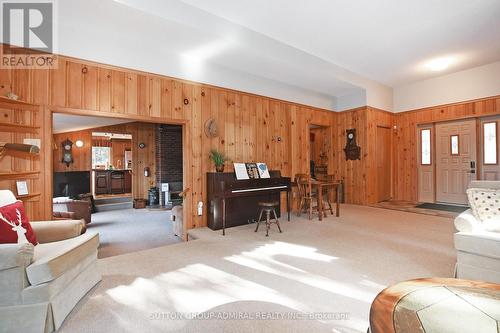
(485, 205)
(15, 226)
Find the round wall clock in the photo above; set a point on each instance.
(211, 128)
(67, 154)
(142, 145)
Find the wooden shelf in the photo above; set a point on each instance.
(18, 127)
(13, 102)
(28, 196)
(19, 175)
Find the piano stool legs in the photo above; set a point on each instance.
(277, 220)
(258, 221)
(269, 221)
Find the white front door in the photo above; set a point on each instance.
(455, 160)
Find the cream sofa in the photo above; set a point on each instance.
(478, 251)
(40, 285)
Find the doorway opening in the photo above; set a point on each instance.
(319, 144)
(118, 175)
(111, 173)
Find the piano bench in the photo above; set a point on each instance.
(268, 207)
(270, 204)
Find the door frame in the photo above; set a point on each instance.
(328, 134)
(391, 156)
(480, 137)
(432, 126)
(48, 135)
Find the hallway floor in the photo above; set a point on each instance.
(131, 230)
(411, 207)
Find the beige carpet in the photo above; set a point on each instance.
(322, 275)
(131, 230)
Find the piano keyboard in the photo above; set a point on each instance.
(259, 189)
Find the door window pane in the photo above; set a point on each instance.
(490, 143)
(425, 137)
(454, 145)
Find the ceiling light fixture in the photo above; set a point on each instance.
(440, 64)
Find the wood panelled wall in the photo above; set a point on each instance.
(360, 176)
(251, 128)
(118, 149)
(82, 157)
(18, 122)
(405, 149)
(141, 158)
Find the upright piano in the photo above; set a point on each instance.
(233, 202)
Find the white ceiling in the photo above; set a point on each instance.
(327, 53)
(173, 38)
(63, 123)
(384, 40)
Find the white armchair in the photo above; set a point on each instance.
(40, 285)
(478, 251)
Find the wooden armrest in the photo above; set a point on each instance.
(184, 193)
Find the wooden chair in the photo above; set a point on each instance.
(299, 192)
(326, 196)
(306, 194)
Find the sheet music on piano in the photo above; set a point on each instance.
(240, 171)
(251, 171)
(263, 170)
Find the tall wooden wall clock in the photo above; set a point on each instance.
(67, 154)
(352, 150)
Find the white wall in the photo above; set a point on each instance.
(380, 96)
(478, 82)
(351, 101)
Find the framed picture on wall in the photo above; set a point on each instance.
(22, 187)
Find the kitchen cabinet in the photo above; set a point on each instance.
(112, 181)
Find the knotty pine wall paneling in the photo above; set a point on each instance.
(251, 128)
(375, 118)
(118, 152)
(21, 121)
(353, 173)
(142, 158)
(82, 157)
(249, 125)
(360, 176)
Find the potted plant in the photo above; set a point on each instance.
(219, 159)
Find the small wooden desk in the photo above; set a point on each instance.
(320, 185)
